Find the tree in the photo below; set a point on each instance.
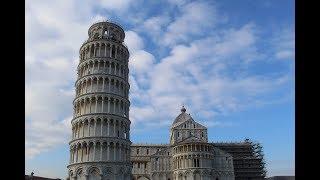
(258, 153)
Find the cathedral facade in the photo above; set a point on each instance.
(188, 156)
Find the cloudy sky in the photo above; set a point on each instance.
(231, 63)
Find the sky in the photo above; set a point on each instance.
(230, 63)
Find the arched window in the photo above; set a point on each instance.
(113, 36)
(79, 175)
(113, 52)
(137, 151)
(94, 175)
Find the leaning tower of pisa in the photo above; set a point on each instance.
(100, 144)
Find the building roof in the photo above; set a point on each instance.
(182, 117)
(28, 177)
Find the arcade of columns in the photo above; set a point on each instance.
(100, 144)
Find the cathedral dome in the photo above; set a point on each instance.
(182, 117)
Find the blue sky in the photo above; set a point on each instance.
(231, 63)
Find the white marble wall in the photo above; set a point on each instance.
(100, 142)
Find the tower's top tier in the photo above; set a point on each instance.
(106, 30)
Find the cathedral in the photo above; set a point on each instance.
(188, 156)
(100, 146)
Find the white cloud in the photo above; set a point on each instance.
(141, 61)
(58, 64)
(40, 138)
(196, 18)
(283, 42)
(54, 34)
(210, 124)
(141, 113)
(99, 18)
(285, 54)
(195, 75)
(178, 2)
(133, 41)
(235, 41)
(117, 5)
(45, 104)
(155, 26)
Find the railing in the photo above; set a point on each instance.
(109, 21)
(90, 40)
(100, 137)
(108, 38)
(98, 113)
(102, 72)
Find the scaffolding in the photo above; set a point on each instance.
(248, 159)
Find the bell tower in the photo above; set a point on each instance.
(100, 144)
